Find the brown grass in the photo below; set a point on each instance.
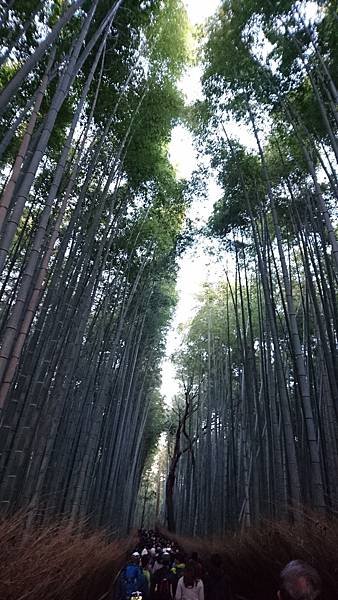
(57, 562)
(60, 563)
(255, 558)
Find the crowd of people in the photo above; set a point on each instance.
(159, 570)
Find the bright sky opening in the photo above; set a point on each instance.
(195, 266)
(199, 10)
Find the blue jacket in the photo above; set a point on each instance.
(131, 580)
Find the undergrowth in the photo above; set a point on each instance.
(254, 558)
(58, 562)
(63, 563)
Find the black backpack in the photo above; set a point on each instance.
(162, 589)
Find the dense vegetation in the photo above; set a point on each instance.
(55, 561)
(92, 221)
(257, 430)
(254, 559)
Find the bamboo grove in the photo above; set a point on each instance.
(92, 220)
(257, 424)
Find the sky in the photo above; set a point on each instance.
(196, 266)
(199, 10)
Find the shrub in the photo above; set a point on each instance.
(58, 562)
(255, 557)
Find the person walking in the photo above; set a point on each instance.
(161, 581)
(217, 583)
(145, 568)
(189, 587)
(299, 581)
(131, 579)
(177, 570)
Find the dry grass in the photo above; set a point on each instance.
(255, 558)
(60, 563)
(57, 562)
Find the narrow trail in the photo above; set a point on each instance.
(246, 567)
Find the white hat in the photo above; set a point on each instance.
(144, 552)
(136, 554)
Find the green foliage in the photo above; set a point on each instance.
(291, 59)
(241, 179)
(214, 331)
(155, 423)
(114, 261)
(160, 109)
(278, 95)
(245, 189)
(327, 39)
(229, 83)
(168, 36)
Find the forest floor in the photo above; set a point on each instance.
(63, 563)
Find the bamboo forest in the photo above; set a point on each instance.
(96, 221)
